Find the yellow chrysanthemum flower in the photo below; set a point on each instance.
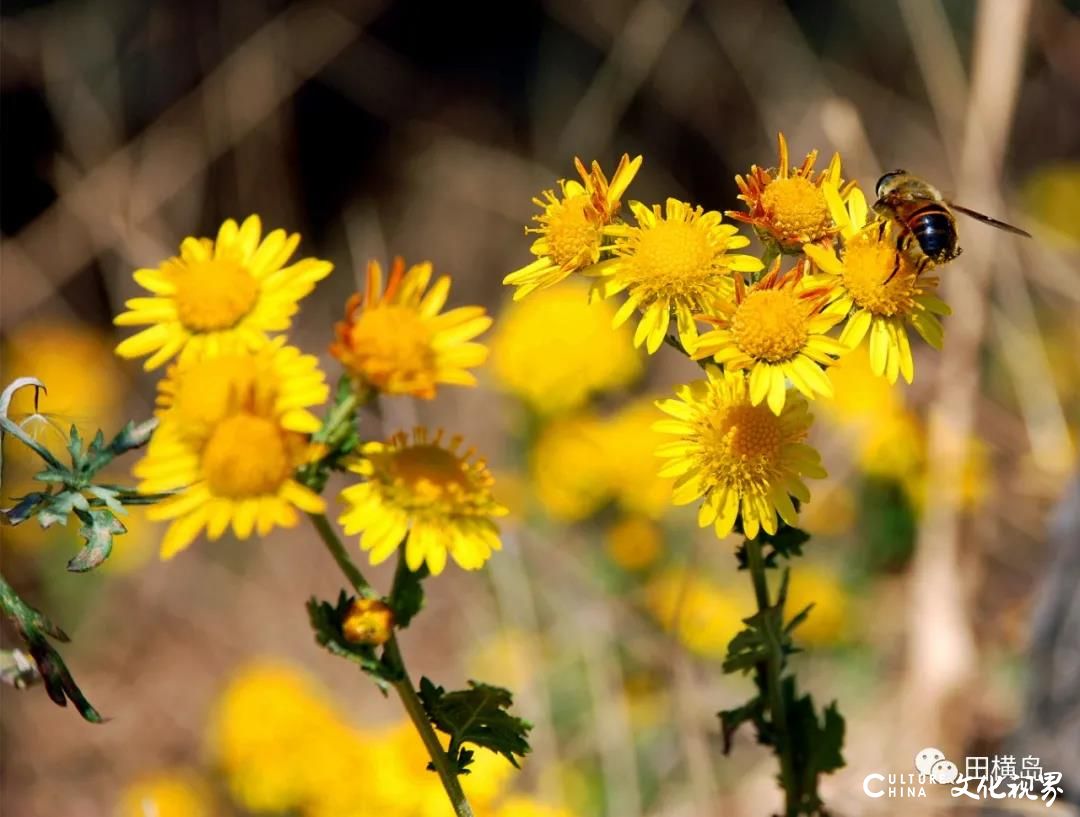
(571, 228)
(556, 349)
(706, 615)
(737, 456)
(570, 467)
(777, 331)
(279, 742)
(827, 623)
(395, 340)
(676, 260)
(426, 494)
(634, 542)
(786, 205)
(877, 288)
(173, 793)
(219, 295)
(234, 428)
(518, 806)
(630, 456)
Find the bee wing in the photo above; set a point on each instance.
(993, 222)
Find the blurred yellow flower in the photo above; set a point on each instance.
(634, 542)
(1052, 195)
(518, 806)
(631, 442)
(876, 288)
(233, 431)
(398, 341)
(277, 740)
(786, 205)
(571, 227)
(832, 513)
(569, 467)
(859, 398)
(777, 331)
(676, 260)
(506, 658)
(426, 496)
(172, 793)
(556, 349)
(742, 459)
(708, 614)
(220, 295)
(827, 623)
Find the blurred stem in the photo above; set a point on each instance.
(442, 762)
(774, 697)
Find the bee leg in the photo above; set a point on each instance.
(923, 264)
(895, 268)
(881, 231)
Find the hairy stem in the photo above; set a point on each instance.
(774, 665)
(442, 762)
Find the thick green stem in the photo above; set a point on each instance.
(773, 694)
(442, 762)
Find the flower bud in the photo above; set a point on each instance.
(368, 621)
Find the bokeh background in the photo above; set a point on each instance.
(382, 128)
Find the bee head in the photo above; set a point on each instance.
(883, 183)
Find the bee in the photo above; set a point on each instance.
(924, 218)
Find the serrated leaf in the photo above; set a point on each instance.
(816, 743)
(407, 596)
(58, 507)
(75, 447)
(24, 508)
(110, 496)
(477, 715)
(98, 528)
(326, 622)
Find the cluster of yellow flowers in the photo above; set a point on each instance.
(235, 406)
(282, 747)
(740, 432)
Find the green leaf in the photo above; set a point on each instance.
(326, 621)
(753, 711)
(786, 543)
(25, 508)
(407, 594)
(98, 528)
(34, 629)
(477, 715)
(58, 507)
(816, 743)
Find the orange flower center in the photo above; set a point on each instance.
(770, 325)
(246, 456)
(742, 445)
(390, 347)
(796, 209)
(428, 472)
(573, 238)
(868, 262)
(214, 295)
(672, 253)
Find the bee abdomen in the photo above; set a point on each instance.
(935, 230)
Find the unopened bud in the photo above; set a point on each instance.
(369, 621)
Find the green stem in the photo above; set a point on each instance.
(337, 550)
(774, 665)
(442, 762)
(341, 413)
